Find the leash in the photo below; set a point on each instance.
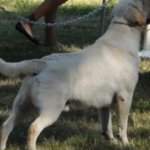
(57, 24)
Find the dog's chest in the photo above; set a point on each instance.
(94, 89)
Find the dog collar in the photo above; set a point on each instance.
(127, 24)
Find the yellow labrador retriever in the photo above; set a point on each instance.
(104, 72)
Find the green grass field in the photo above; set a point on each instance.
(74, 130)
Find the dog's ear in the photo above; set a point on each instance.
(135, 16)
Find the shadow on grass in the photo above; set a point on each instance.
(141, 99)
(144, 82)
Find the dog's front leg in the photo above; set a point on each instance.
(106, 123)
(123, 103)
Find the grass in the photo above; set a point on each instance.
(75, 130)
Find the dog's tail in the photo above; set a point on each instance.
(26, 67)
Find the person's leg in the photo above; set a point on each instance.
(50, 36)
(40, 11)
(48, 9)
(44, 8)
(50, 17)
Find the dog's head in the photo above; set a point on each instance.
(135, 12)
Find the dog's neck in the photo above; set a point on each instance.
(124, 31)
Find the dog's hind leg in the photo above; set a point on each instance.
(45, 119)
(123, 103)
(6, 128)
(16, 113)
(50, 102)
(15, 116)
(106, 123)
